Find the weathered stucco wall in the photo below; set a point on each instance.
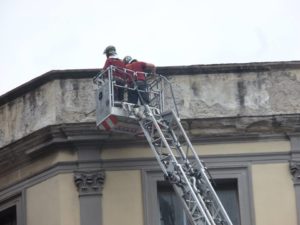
(207, 95)
(44, 162)
(56, 102)
(243, 94)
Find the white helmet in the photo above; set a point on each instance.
(127, 59)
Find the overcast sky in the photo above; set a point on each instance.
(42, 35)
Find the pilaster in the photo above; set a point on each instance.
(89, 179)
(295, 167)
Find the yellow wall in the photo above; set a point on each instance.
(53, 202)
(124, 152)
(274, 195)
(36, 166)
(245, 147)
(122, 198)
(207, 149)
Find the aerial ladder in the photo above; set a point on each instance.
(159, 122)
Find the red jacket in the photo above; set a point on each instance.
(118, 63)
(139, 68)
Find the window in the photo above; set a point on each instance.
(227, 191)
(11, 211)
(163, 207)
(8, 216)
(171, 210)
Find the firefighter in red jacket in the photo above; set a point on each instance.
(138, 78)
(118, 75)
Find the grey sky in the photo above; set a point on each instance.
(41, 35)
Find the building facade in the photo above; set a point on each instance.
(57, 168)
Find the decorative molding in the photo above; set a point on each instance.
(295, 171)
(68, 136)
(89, 185)
(89, 182)
(139, 163)
(294, 138)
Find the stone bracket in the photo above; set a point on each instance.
(89, 182)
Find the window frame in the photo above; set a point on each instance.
(16, 201)
(150, 177)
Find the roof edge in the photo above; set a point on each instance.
(170, 70)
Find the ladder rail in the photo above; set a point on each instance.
(205, 202)
(148, 137)
(186, 162)
(203, 170)
(207, 219)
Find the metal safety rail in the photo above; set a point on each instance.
(159, 88)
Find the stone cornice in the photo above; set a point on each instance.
(229, 68)
(46, 140)
(67, 136)
(204, 130)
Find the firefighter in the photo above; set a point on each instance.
(118, 75)
(138, 78)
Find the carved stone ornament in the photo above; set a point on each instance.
(89, 182)
(295, 171)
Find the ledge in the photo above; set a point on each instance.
(167, 70)
(68, 136)
(49, 76)
(229, 68)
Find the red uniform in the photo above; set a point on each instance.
(140, 81)
(118, 63)
(139, 68)
(118, 75)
